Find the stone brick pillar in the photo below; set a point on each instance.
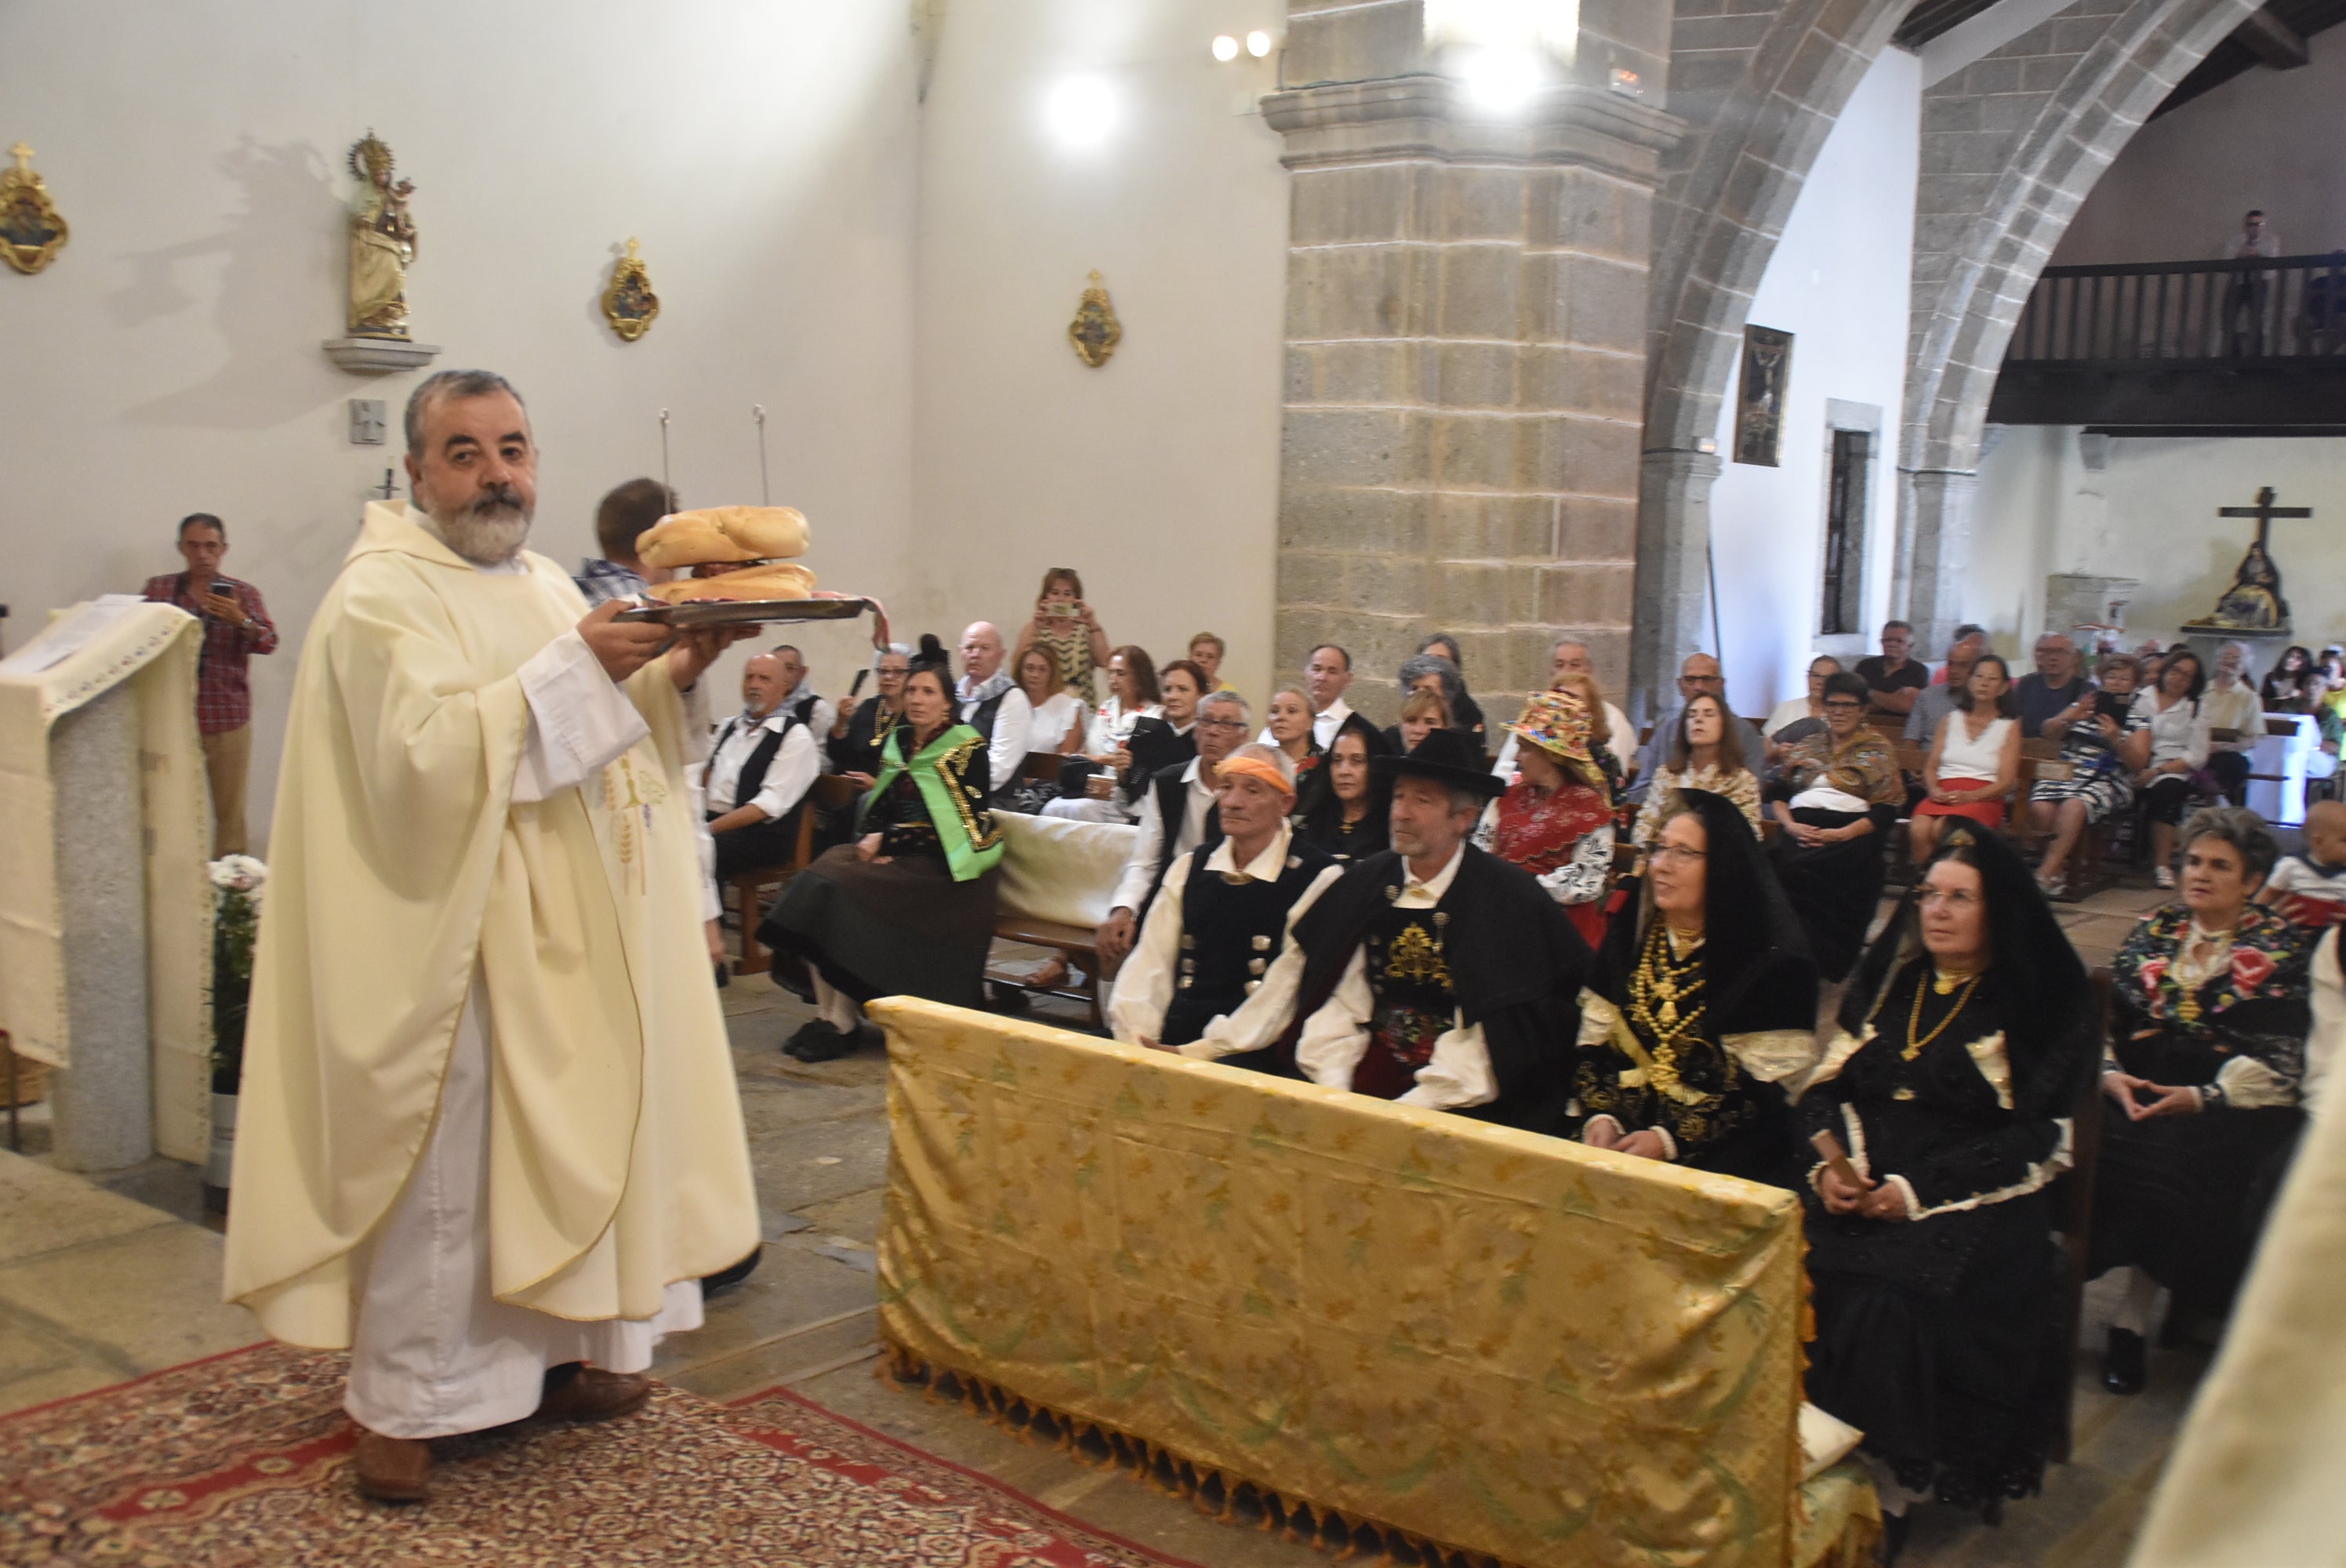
(1466, 348)
(1935, 551)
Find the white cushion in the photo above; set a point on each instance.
(1057, 869)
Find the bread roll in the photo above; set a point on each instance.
(714, 534)
(780, 580)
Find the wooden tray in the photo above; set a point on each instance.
(745, 612)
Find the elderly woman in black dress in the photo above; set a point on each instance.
(2210, 1003)
(1341, 806)
(906, 909)
(1966, 1040)
(1835, 793)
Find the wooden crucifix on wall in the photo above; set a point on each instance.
(2253, 603)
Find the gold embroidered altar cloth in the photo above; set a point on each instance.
(1487, 1338)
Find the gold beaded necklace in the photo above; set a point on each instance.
(1915, 1019)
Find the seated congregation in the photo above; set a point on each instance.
(1671, 946)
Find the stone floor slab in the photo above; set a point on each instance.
(152, 1295)
(43, 1209)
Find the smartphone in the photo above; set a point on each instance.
(855, 686)
(1060, 608)
(2110, 705)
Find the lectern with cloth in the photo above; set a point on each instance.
(105, 906)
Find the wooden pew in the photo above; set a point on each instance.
(744, 899)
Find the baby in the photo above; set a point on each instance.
(2310, 888)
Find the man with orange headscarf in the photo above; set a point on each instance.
(1223, 915)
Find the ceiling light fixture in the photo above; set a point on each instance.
(1081, 111)
(1502, 80)
(1226, 48)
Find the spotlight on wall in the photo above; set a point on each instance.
(1081, 111)
(1502, 80)
(1257, 42)
(1226, 48)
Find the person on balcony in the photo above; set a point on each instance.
(2251, 290)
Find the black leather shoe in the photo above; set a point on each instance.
(819, 1042)
(724, 1279)
(2122, 1363)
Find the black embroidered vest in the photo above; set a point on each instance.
(1231, 933)
(762, 758)
(1408, 960)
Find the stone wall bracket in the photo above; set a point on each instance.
(379, 356)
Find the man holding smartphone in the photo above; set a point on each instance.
(236, 626)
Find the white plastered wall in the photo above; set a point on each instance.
(1838, 282)
(169, 361)
(2150, 514)
(1155, 476)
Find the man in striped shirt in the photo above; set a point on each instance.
(236, 626)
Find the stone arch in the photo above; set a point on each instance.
(1764, 81)
(2011, 145)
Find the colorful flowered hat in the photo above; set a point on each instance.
(1557, 723)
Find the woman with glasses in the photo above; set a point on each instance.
(856, 740)
(1835, 792)
(1963, 1044)
(2210, 1005)
(1703, 1005)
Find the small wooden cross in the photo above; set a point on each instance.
(2264, 512)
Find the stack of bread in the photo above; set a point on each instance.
(732, 552)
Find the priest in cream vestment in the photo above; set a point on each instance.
(489, 1130)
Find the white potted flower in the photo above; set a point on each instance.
(236, 881)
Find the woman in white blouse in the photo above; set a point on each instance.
(2178, 748)
(1132, 695)
(1975, 759)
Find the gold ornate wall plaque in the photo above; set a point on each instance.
(32, 230)
(629, 304)
(1094, 331)
(383, 244)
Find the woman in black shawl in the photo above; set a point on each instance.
(1344, 806)
(1966, 1038)
(1702, 1007)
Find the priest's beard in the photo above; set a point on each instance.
(488, 531)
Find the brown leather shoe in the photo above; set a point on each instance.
(392, 1470)
(592, 1394)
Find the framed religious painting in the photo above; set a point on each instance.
(1759, 395)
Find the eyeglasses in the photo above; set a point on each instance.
(1221, 724)
(1846, 704)
(1953, 899)
(1680, 853)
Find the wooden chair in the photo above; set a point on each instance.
(744, 899)
(2074, 1207)
(1080, 945)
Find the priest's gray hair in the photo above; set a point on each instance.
(1223, 699)
(450, 384)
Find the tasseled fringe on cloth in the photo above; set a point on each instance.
(1227, 1499)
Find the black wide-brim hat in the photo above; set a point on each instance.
(1446, 757)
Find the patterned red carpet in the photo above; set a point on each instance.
(241, 1461)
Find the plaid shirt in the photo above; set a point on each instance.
(602, 581)
(223, 700)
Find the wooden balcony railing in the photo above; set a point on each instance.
(2178, 313)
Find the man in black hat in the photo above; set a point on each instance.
(1434, 973)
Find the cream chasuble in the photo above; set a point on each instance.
(403, 867)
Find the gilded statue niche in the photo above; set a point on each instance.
(32, 230)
